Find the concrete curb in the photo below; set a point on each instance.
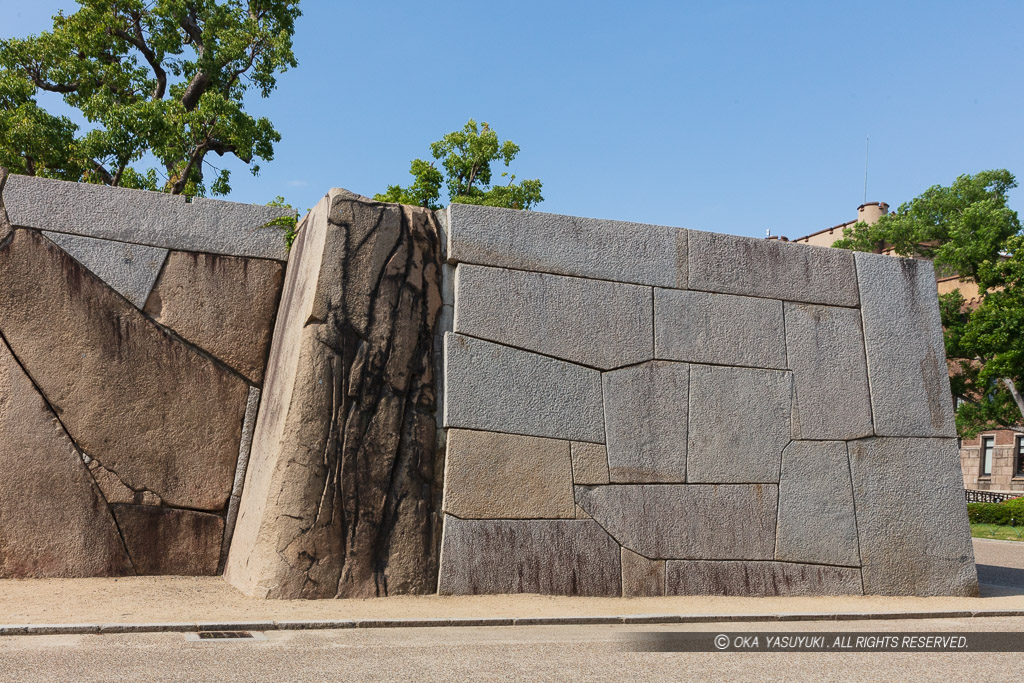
(627, 619)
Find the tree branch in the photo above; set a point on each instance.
(139, 41)
(195, 89)
(1016, 395)
(102, 172)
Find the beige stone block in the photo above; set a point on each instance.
(642, 577)
(589, 463)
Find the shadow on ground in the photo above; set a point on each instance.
(998, 581)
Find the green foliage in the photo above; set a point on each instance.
(466, 156)
(289, 224)
(159, 77)
(1009, 513)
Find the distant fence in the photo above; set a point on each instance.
(988, 496)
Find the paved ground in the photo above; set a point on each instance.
(1000, 566)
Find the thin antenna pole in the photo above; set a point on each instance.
(867, 148)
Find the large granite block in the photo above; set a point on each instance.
(720, 329)
(817, 523)
(826, 354)
(589, 463)
(501, 389)
(759, 579)
(906, 357)
(687, 521)
(912, 518)
(552, 557)
(591, 322)
(645, 409)
(567, 245)
(642, 578)
(131, 269)
(754, 267)
(164, 540)
(739, 424)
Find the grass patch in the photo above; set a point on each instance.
(998, 531)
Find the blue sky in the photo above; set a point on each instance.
(728, 116)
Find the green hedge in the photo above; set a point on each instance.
(1010, 513)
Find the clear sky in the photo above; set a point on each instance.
(726, 116)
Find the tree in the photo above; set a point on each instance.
(968, 229)
(466, 156)
(165, 78)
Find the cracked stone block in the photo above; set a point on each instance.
(739, 424)
(645, 409)
(641, 577)
(589, 463)
(909, 381)
(912, 518)
(595, 323)
(130, 269)
(567, 245)
(225, 305)
(687, 521)
(826, 354)
(720, 329)
(817, 523)
(497, 388)
(551, 557)
(139, 217)
(113, 489)
(686, 577)
(506, 476)
(163, 540)
(730, 264)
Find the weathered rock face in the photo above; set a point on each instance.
(164, 540)
(339, 499)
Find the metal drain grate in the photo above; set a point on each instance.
(210, 635)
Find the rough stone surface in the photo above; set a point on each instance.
(222, 304)
(506, 476)
(759, 579)
(739, 424)
(641, 577)
(754, 267)
(148, 218)
(252, 405)
(148, 407)
(645, 408)
(567, 245)
(341, 496)
(825, 345)
(589, 463)
(53, 519)
(906, 358)
(164, 540)
(912, 518)
(687, 521)
(552, 557)
(591, 322)
(5, 223)
(131, 269)
(817, 523)
(497, 388)
(115, 491)
(721, 329)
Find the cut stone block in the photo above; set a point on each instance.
(567, 245)
(687, 521)
(164, 540)
(739, 424)
(817, 523)
(589, 463)
(115, 491)
(222, 304)
(506, 476)
(591, 322)
(131, 269)
(551, 557)
(642, 578)
(5, 222)
(754, 267)
(155, 219)
(910, 393)
(497, 388)
(645, 408)
(912, 518)
(826, 354)
(759, 579)
(721, 329)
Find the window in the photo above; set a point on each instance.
(1019, 469)
(987, 446)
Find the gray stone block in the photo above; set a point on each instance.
(739, 424)
(645, 410)
(759, 579)
(600, 324)
(910, 393)
(912, 518)
(687, 521)
(567, 245)
(721, 329)
(589, 463)
(506, 476)
(497, 388)
(148, 218)
(817, 523)
(131, 269)
(552, 557)
(754, 267)
(642, 578)
(825, 345)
